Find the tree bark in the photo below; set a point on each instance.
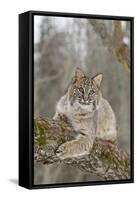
(114, 42)
(106, 159)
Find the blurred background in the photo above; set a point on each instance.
(60, 45)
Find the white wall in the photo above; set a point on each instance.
(9, 11)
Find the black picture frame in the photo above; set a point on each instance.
(26, 98)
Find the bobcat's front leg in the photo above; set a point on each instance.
(78, 147)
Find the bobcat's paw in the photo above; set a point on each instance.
(72, 149)
(63, 152)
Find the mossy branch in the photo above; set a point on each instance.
(105, 159)
(114, 42)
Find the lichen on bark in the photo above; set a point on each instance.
(106, 159)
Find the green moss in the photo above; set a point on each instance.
(106, 156)
(62, 138)
(63, 126)
(40, 133)
(118, 54)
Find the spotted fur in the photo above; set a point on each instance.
(88, 112)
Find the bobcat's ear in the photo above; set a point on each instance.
(97, 79)
(79, 73)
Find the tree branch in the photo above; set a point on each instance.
(105, 159)
(114, 42)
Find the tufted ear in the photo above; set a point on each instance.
(97, 79)
(79, 73)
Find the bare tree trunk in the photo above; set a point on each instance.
(105, 159)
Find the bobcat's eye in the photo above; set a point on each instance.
(81, 90)
(92, 92)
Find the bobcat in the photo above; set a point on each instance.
(89, 114)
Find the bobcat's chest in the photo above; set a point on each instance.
(80, 118)
(81, 121)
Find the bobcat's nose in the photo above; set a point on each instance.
(85, 97)
(84, 102)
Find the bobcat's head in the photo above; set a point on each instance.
(85, 91)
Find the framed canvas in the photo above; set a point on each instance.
(76, 99)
